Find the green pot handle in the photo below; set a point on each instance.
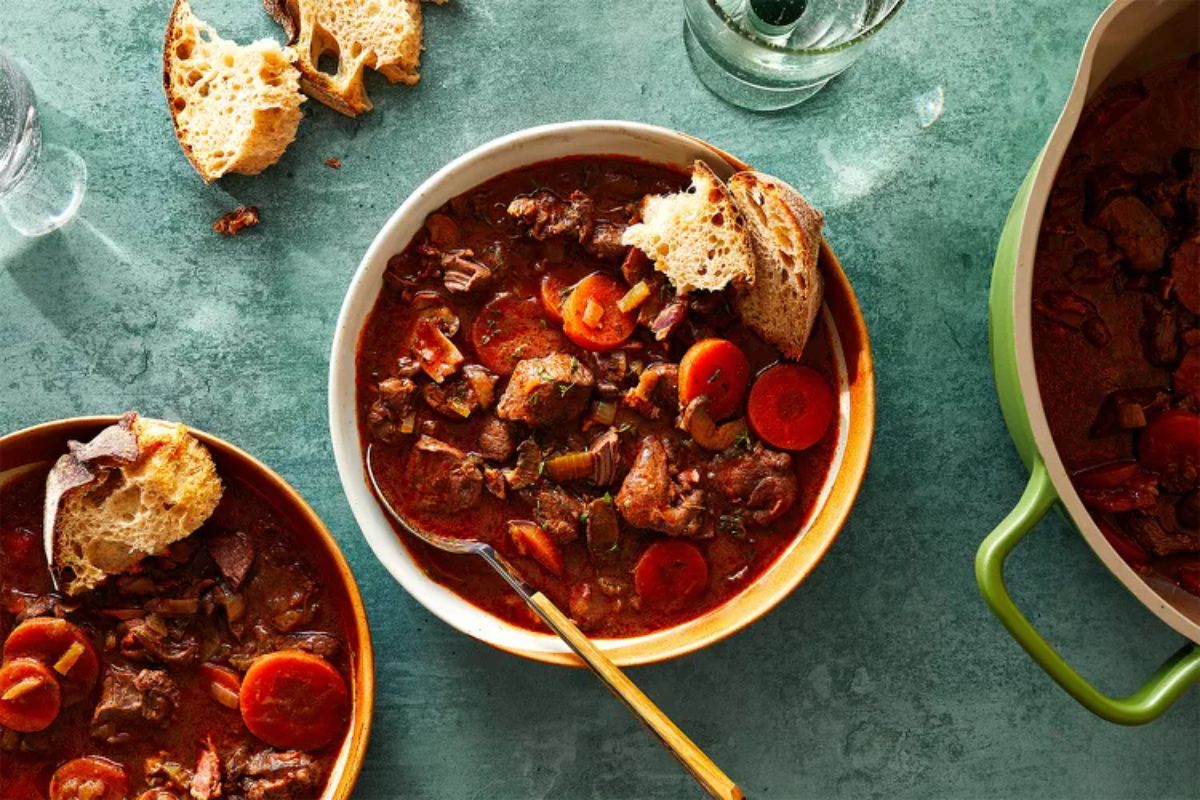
(1146, 704)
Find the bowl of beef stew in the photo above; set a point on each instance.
(160, 680)
(1095, 322)
(538, 215)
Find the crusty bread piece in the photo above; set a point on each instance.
(782, 303)
(136, 488)
(696, 237)
(382, 34)
(235, 108)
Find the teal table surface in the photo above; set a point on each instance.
(883, 675)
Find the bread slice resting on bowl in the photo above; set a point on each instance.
(756, 234)
(132, 491)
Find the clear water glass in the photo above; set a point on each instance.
(41, 186)
(772, 54)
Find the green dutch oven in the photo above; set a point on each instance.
(1130, 38)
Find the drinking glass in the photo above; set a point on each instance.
(771, 54)
(41, 186)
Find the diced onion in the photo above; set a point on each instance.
(69, 658)
(569, 466)
(593, 313)
(22, 688)
(636, 295)
(223, 695)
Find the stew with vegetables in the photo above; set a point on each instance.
(218, 670)
(527, 380)
(1116, 328)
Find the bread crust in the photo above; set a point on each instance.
(785, 298)
(136, 488)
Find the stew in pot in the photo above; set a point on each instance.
(528, 381)
(1115, 330)
(217, 670)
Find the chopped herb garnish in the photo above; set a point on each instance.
(716, 374)
(608, 498)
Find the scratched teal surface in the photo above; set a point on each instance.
(883, 675)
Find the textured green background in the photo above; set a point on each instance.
(883, 675)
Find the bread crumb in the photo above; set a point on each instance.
(333, 163)
(236, 220)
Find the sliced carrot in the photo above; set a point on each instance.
(224, 685)
(717, 369)
(30, 698)
(791, 406)
(294, 700)
(511, 328)
(555, 287)
(1171, 443)
(57, 644)
(670, 573)
(533, 542)
(591, 317)
(90, 777)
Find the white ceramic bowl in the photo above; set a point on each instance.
(841, 314)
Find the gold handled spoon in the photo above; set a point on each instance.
(710, 777)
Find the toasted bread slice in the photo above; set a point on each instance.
(782, 303)
(384, 35)
(129, 493)
(235, 108)
(696, 237)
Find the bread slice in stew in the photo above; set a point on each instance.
(781, 304)
(696, 237)
(131, 492)
(235, 108)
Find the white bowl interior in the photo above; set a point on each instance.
(499, 156)
(1130, 39)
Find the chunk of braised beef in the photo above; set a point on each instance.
(651, 500)
(549, 215)
(26, 606)
(636, 266)
(1160, 332)
(605, 241)
(760, 480)
(496, 440)
(1158, 530)
(451, 480)
(1106, 182)
(1185, 272)
(319, 643)
(279, 775)
(546, 391)
(462, 272)
(493, 481)
(153, 639)
(294, 604)
(588, 606)
(1186, 378)
(528, 469)
(1136, 230)
(1128, 409)
(657, 391)
(130, 701)
(459, 398)
(558, 513)
(1065, 307)
(233, 552)
(391, 414)
(206, 780)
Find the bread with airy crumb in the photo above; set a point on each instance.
(696, 237)
(235, 108)
(131, 492)
(384, 35)
(782, 303)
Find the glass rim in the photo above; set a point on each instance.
(759, 41)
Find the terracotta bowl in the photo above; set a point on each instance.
(44, 443)
(841, 315)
